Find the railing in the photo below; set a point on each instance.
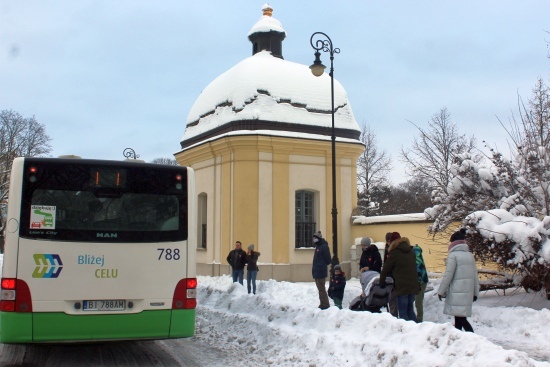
(304, 234)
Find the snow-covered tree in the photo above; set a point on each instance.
(506, 202)
(519, 244)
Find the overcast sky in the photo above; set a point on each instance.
(107, 75)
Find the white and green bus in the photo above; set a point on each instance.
(98, 250)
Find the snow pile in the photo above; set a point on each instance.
(282, 326)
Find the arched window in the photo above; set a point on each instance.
(201, 220)
(305, 218)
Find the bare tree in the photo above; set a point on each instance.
(168, 161)
(530, 142)
(432, 153)
(412, 196)
(373, 167)
(19, 137)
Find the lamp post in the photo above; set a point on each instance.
(324, 43)
(129, 153)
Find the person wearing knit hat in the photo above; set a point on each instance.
(321, 259)
(460, 284)
(252, 269)
(402, 264)
(337, 285)
(370, 257)
(394, 236)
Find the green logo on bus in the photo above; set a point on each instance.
(47, 266)
(43, 216)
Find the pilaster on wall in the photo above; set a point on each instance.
(245, 194)
(281, 206)
(226, 235)
(265, 206)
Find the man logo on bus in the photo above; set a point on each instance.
(47, 266)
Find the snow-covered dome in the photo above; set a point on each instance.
(266, 93)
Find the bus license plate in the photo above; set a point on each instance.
(104, 305)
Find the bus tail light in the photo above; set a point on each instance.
(16, 296)
(185, 294)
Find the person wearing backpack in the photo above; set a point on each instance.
(422, 280)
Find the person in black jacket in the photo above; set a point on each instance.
(252, 269)
(321, 259)
(370, 257)
(337, 285)
(237, 259)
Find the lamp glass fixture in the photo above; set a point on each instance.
(317, 68)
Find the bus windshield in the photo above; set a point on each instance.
(103, 203)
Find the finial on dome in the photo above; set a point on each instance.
(267, 10)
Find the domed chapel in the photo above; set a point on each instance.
(259, 140)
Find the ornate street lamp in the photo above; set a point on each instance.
(129, 153)
(317, 68)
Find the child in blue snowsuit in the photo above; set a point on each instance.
(337, 285)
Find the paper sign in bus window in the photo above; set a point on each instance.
(42, 216)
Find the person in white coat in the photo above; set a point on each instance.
(460, 284)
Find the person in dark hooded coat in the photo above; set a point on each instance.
(402, 264)
(321, 259)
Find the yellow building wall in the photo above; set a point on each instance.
(245, 190)
(250, 182)
(280, 205)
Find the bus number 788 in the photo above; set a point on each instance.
(169, 254)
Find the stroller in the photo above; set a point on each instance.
(376, 296)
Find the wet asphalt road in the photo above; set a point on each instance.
(174, 352)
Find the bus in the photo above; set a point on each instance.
(98, 250)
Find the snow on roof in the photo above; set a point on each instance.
(264, 87)
(413, 217)
(267, 23)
